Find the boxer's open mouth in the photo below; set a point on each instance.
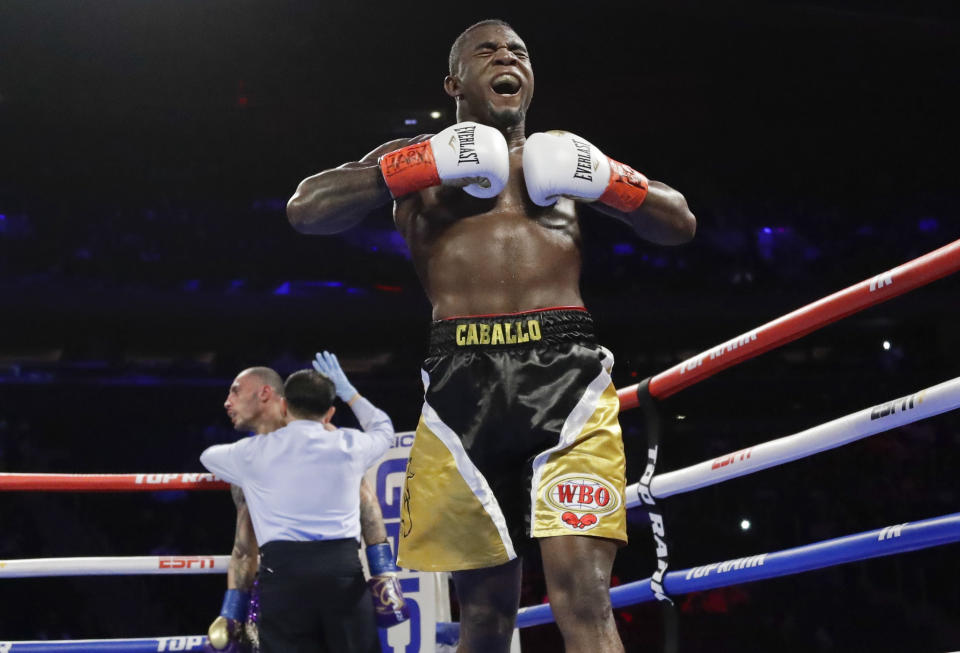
(506, 84)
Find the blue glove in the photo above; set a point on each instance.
(328, 365)
(388, 602)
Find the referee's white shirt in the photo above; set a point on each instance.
(302, 482)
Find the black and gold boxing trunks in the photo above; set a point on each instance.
(518, 439)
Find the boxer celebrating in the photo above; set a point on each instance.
(518, 440)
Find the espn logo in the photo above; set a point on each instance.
(897, 405)
(891, 532)
(186, 563)
(743, 454)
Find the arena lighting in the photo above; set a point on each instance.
(302, 287)
(436, 115)
(745, 524)
(409, 121)
(886, 345)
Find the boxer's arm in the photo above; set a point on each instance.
(371, 517)
(242, 568)
(335, 200)
(389, 606)
(663, 218)
(226, 633)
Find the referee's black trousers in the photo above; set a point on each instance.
(313, 599)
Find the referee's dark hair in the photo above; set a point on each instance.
(309, 394)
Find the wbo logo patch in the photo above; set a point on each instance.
(581, 499)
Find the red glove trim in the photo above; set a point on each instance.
(409, 169)
(627, 188)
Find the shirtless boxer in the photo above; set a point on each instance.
(518, 437)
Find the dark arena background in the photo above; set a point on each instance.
(148, 148)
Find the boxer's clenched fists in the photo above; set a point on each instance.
(559, 163)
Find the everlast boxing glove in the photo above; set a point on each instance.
(467, 151)
(559, 163)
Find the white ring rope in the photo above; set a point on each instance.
(113, 566)
(869, 421)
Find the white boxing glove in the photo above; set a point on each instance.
(465, 151)
(558, 163)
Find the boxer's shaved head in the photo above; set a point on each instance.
(267, 376)
(457, 46)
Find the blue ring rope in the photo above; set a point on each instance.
(899, 538)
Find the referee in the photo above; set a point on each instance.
(301, 483)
